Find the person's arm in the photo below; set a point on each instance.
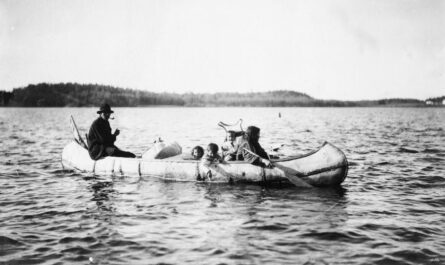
(248, 157)
(224, 147)
(219, 159)
(111, 137)
(259, 161)
(103, 132)
(233, 150)
(206, 160)
(265, 158)
(261, 152)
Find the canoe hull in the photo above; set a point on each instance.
(325, 167)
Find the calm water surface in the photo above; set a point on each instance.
(390, 209)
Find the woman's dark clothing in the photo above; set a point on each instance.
(254, 147)
(99, 138)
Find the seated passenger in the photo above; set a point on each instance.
(101, 140)
(212, 154)
(197, 152)
(250, 143)
(230, 147)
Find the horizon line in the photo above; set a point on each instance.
(215, 92)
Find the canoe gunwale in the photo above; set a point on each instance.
(321, 170)
(289, 158)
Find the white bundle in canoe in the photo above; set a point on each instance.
(161, 150)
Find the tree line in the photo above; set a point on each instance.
(437, 100)
(81, 95)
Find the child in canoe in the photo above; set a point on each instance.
(210, 157)
(211, 154)
(197, 152)
(230, 146)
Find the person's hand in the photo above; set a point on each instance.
(267, 163)
(117, 132)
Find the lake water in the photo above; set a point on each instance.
(389, 210)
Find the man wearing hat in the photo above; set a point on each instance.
(100, 140)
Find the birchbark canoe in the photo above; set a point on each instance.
(326, 166)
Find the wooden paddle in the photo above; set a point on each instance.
(76, 134)
(291, 174)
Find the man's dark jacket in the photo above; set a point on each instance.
(99, 137)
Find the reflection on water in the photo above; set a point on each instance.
(390, 210)
(102, 191)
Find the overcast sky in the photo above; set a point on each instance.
(346, 49)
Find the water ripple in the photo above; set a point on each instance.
(390, 210)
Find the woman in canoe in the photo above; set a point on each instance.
(250, 146)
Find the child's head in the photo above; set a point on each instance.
(212, 149)
(231, 136)
(197, 152)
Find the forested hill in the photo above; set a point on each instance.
(80, 95)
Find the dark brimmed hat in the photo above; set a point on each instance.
(105, 108)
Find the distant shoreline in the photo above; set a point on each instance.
(220, 106)
(92, 95)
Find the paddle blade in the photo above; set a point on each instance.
(297, 181)
(293, 176)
